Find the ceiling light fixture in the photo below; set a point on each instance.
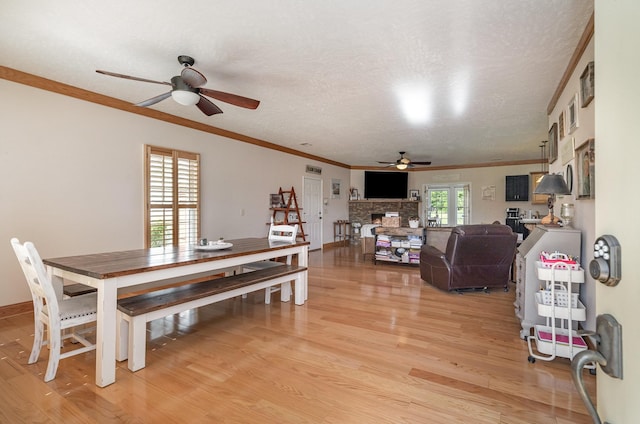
(186, 98)
(183, 93)
(401, 166)
(543, 160)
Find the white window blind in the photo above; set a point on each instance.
(173, 197)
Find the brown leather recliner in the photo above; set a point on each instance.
(477, 256)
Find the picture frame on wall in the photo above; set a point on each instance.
(414, 194)
(572, 114)
(587, 85)
(567, 149)
(561, 130)
(585, 170)
(335, 188)
(553, 143)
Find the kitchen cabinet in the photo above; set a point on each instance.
(517, 188)
(537, 199)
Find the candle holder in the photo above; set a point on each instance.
(567, 213)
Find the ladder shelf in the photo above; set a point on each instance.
(289, 214)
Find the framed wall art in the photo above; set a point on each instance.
(553, 143)
(572, 114)
(587, 85)
(585, 170)
(561, 132)
(335, 188)
(567, 149)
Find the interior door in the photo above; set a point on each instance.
(312, 211)
(616, 202)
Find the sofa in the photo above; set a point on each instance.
(476, 256)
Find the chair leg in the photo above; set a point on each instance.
(55, 344)
(37, 341)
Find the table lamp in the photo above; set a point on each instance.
(551, 184)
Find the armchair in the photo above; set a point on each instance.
(477, 256)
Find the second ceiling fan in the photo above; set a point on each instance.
(187, 89)
(404, 162)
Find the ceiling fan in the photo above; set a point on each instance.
(187, 90)
(404, 162)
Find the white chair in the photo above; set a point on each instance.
(277, 234)
(53, 311)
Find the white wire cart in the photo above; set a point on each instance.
(562, 309)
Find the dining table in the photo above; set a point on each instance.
(112, 273)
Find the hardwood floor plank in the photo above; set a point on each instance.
(373, 344)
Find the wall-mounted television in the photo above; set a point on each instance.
(385, 185)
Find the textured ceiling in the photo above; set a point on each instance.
(451, 81)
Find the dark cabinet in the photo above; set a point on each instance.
(517, 188)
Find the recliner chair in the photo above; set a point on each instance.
(477, 256)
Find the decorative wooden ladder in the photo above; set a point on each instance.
(290, 203)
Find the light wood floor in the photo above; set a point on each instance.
(373, 344)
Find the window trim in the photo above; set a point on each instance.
(451, 189)
(176, 205)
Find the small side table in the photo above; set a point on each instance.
(342, 232)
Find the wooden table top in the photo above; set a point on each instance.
(115, 264)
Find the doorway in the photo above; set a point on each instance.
(312, 211)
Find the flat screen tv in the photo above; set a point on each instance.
(385, 185)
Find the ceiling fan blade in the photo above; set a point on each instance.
(233, 99)
(113, 74)
(154, 100)
(420, 163)
(207, 107)
(193, 77)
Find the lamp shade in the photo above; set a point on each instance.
(552, 184)
(401, 166)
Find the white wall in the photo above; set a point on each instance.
(584, 208)
(71, 179)
(482, 211)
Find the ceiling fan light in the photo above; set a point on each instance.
(186, 98)
(402, 166)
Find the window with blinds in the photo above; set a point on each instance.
(172, 197)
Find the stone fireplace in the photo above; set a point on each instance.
(376, 218)
(365, 211)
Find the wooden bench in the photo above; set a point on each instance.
(134, 312)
